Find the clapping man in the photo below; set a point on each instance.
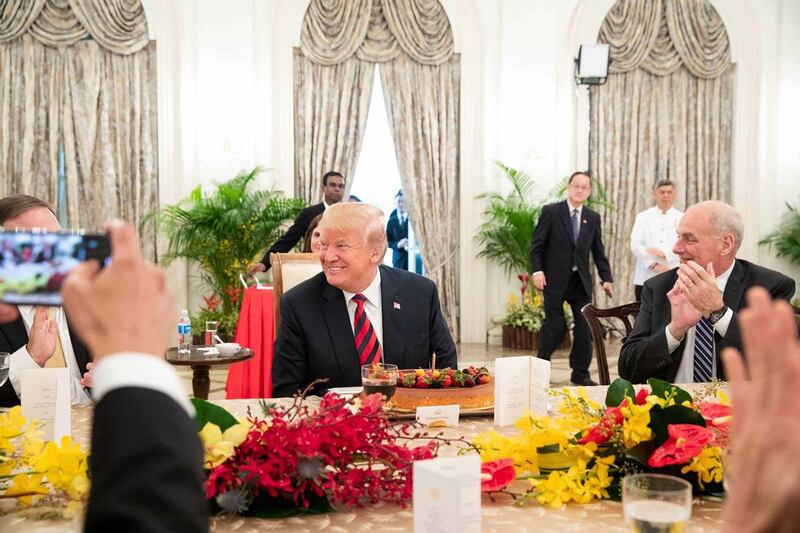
(40, 337)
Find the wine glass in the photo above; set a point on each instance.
(5, 363)
(656, 503)
(379, 378)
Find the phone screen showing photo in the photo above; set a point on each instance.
(33, 266)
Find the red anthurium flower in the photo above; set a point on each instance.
(605, 428)
(684, 444)
(641, 396)
(497, 475)
(715, 414)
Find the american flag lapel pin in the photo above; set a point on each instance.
(396, 305)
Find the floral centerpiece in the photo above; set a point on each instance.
(301, 459)
(584, 453)
(41, 477)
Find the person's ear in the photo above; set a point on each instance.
(727, 244)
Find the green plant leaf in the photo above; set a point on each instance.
(209, 412)
(660, 418)
(663, 389)
(618, 391)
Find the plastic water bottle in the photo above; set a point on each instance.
(184, 332)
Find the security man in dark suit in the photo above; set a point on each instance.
(564, 235)
(397, 233)
(333, 185)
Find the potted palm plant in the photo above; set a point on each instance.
(504, 238)
(785, 239)
(223, 232)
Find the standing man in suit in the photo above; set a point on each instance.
(690, 313)
(397, 233)
(564, 235)
(356, 311)
(333, 185)
(39, 337)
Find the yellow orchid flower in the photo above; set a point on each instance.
(220, 446)
(30, 484)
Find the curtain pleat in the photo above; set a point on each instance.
(330, 114)
(422, 103)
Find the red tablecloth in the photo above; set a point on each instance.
(256, 330)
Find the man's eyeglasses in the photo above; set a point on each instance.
(581, 187)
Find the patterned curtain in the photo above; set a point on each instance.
(80, 73)
(664, 113)
(413, 43)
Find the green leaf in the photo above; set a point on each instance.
(660, 418)
(618, 391)
(663, 389)
(209, 412)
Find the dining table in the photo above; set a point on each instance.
(498, 514)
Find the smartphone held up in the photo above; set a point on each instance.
(34, 265)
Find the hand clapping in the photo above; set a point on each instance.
(699, 286)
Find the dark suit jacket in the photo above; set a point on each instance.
(146, 466)
(296, 232)
(13, 336)
(394, 233)
(315, 339)
(645, 354)
(554, 251)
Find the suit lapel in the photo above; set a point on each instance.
(392, 309)
(734, 289)
(563, 211)
(15, 333)
(334, 311)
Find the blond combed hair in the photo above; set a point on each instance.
(356, 216)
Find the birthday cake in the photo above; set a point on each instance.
(471, 388)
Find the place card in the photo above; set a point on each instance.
(46, 397)
(447, 495)
(520, 384)
(438, 415)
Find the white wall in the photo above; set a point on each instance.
(225, 104)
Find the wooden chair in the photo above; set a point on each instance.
(624, 313)
(289, 270)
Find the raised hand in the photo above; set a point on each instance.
(700, 287)
(683, 313)
(766, 420)
(42, 336)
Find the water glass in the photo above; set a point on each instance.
(5, 363)
(211, 333)
(379, 378)
(656, 503)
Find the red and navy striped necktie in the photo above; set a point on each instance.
(367, 346)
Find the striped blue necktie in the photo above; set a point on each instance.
(703, 351)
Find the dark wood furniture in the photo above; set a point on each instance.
(201, 363)
(624, 313)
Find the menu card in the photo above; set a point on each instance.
(447, 495)
(520, 384)
(46, 398)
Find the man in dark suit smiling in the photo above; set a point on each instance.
(356, 311)
(691, 313)
(564, 235)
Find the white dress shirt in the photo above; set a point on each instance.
(373, 307)
(653, 228)
(131, 369)
(686, 369)
(21, 360)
